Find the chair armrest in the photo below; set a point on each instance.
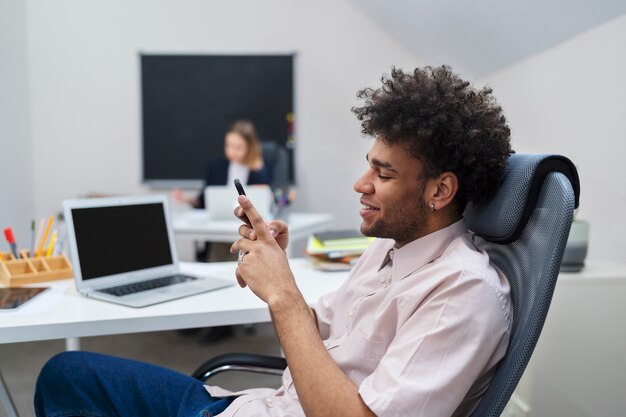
(240, 362)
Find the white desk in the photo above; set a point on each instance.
(79, 316)
(578, 367)
(196, 225)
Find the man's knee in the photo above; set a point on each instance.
(63, 366)
(65, 385)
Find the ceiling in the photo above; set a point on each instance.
(480, 36)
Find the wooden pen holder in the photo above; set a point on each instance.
(27, 270)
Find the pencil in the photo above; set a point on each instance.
(45, 236)
(2, 257)
(53, 241)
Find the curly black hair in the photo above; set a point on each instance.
(446, 124)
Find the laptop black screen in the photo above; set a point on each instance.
(118, 239)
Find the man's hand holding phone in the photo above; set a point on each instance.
(278, 228)
(263, 264)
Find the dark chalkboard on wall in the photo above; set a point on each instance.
(189, 101)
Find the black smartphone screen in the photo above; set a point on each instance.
(241, 191)
(239, 187)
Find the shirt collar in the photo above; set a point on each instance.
(419, 252)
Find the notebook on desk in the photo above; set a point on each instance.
(221, 201)
(123, 251)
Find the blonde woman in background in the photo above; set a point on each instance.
(242, 159)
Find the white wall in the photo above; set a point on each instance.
(84, 73)
(16, 197)
(570, 100)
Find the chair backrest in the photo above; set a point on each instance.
(524, 228)
(277, 159)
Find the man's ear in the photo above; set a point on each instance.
(442, 190)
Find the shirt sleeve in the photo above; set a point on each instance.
(439, 352)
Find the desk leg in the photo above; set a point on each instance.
(6, 400)
(72, 343)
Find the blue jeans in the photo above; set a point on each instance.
(93, 385)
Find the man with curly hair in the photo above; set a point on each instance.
(420, 324)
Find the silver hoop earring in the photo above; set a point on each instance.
(432, 206)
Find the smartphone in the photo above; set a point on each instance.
(241, 191)
(239, 187)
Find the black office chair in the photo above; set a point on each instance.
(524, 228)
(276, 157)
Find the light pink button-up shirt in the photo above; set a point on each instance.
(419, 338)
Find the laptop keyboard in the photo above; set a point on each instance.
(147, 285)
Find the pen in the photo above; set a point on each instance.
(53, 241)
(32, 239)
(8, 233)
(45, 236)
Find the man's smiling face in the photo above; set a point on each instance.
(392, 188)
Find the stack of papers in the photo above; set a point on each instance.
(337, 247)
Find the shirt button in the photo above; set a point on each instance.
(351, 313)
(268, 400)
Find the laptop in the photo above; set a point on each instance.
(123, 251)
(221, 201)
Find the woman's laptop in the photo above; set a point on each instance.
(123, 251)
(221, 201)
